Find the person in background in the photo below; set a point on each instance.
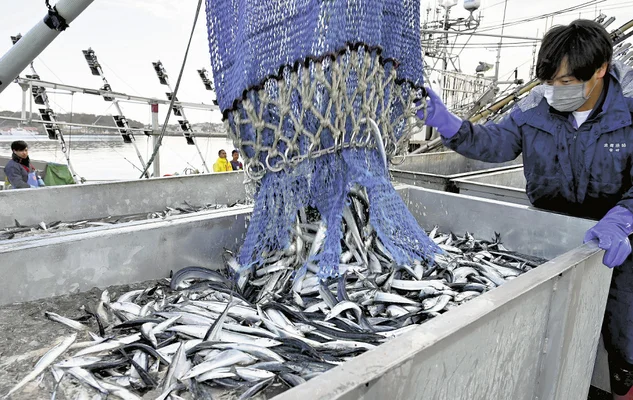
(576, 135)
(222, 165)
(19, 171)
(237, 165)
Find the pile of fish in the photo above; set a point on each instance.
(238, 334)
(19, 230)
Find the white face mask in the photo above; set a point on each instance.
(567, 98)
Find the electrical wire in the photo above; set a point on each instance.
(39, 59)
(498, 24)
(541, 16)
(119, 78)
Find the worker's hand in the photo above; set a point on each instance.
(612, 233)
(438, 116)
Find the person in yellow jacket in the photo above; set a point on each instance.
(222, 165)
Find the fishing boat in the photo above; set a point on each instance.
(19, 133)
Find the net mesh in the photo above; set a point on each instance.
(316, 95)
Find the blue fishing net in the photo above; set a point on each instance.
(311, 92)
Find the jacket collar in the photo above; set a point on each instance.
(22, 161)
(615, 113)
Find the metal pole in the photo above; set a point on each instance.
(505, 8)
(47, 111)
(62, 143)
(118, 95)
(30, 118)
(138, 152)
(119, 120)
(184, 124)
(155, 139)
(445, 60)
(24, 97)
(35, 41)
(112, 128)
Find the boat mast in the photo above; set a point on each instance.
(119, 119)
(38, 38)
(48, 115)
(178, 111)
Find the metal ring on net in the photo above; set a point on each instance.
(398, 159)
(255, 170)
(292, 154)
(280, 165)
(390, 148)
(353, 135)
(313, 152)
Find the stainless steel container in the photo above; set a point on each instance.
(503, 185)
(438, 170)
(534, 337)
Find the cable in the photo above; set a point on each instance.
(39, 59)
(546, 15)
(173, 98)
(541, 16)
(118, 77)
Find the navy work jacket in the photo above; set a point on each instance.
(582, 172)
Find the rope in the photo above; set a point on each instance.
(354, 113)
(173, 98)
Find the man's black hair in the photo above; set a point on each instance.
(19, 145)
(235, 151)
(221, 150)
(585, 44)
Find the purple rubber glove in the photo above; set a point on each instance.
(612, 232)
(438, 116)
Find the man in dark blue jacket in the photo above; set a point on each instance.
(576, 135)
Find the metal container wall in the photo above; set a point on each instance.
(509, 186)
(534, 337)
(504, 186)
(437, 170)
(98, 200)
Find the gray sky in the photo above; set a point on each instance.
(128, 35)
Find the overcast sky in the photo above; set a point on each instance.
(128, 35)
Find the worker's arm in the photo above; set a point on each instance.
(491, 142)
(216, 167)
(14, 175)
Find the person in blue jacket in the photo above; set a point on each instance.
(19, 171)
(576, 135)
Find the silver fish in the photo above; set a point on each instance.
(66, 321)
(228, 358)
(46, 360)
